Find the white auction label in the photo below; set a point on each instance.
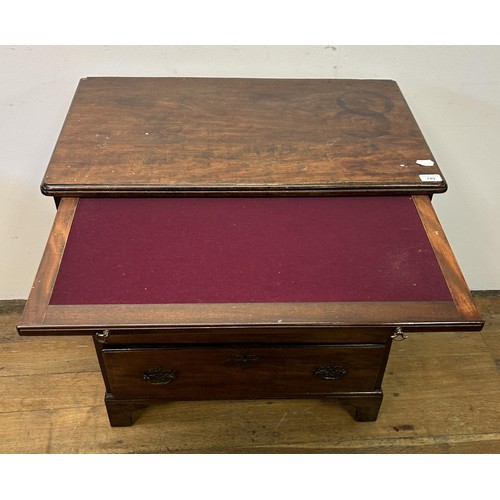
(430, 178)
(425, 163)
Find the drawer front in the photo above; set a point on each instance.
(242, 373)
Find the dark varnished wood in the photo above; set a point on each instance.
(363, 407)
(220, 136)
(66, 319)
(206, 137)
(123, 413)
(209, 372)
(268, 335)
(446, 259)
(36, 307)
(195, 342)
(243, 372)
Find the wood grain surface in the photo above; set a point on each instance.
(189, 136)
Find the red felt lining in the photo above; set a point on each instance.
(220, 250)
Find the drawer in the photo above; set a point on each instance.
(234, 265)
(238, 373)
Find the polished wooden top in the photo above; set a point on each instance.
(202, 136)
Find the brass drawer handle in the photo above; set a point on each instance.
(159, 376)
(330, 372)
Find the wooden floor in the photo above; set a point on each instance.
(442, 395)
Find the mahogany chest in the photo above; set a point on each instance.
(244, 239)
